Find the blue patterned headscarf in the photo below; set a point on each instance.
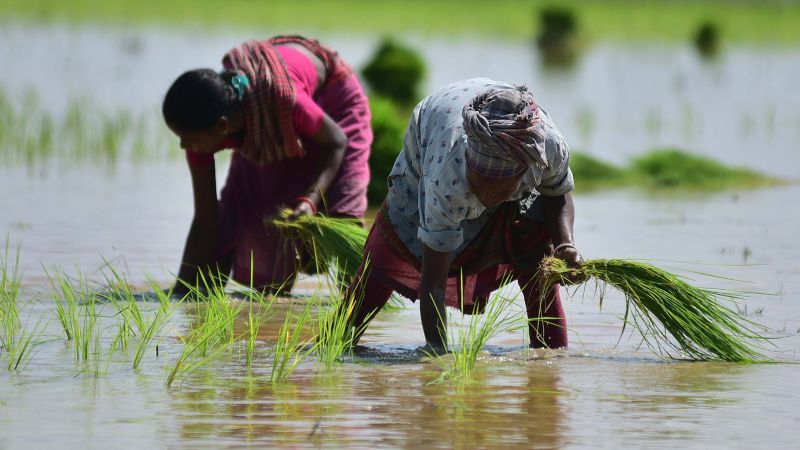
(504, 133)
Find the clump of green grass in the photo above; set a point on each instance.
(334, 242)
(673, 169)
(201, 346)
(10, 281)
(676, 320)
(591, 173)
(17, 341)
(149, 328)
(133, 321)
(29, 135)
(253, 326)
(467, 344)
(76, 310)
(19, 344)
(213, 333)
(667, 169)
(291, 346)
(337, 334)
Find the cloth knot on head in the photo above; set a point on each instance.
(504, 135)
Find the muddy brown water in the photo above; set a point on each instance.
(605, 391)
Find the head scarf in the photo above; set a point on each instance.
(504, 135)
(269, 95)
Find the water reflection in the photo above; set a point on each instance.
(393, 405)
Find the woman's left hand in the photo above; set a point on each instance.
(303, 208)
(570, 255)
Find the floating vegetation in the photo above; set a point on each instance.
(676, 320)
(30, 136)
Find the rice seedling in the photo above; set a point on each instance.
(290, 346)
(85, 331)
(253, 326)
(120, 293)
(395, 303)
(20, 343)
(213, 333)
(66, 302)
(30, 135)
(200, 347)
(76, 310)
(132, 319)
(217, 307)
(676, 320)
(336, 243)
(336, 332)
(471, 338)
(148, 330)
(10, 281)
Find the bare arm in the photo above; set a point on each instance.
(432, 288)
(559, 217)
(201, 243)
(332, 143)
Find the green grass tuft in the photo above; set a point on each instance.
(673, 169)
(591, 173)
(470, 339)
(291, 345)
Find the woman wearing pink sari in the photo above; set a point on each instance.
(298, 122)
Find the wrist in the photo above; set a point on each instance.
(309, 201)
(563, 245)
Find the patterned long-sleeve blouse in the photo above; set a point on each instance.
(429, 199)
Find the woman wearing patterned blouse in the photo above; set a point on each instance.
(478, 195)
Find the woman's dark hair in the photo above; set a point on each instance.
(198, 98)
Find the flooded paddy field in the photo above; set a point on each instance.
(607, 390)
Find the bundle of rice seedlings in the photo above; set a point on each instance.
(334, 242)
(675, 319)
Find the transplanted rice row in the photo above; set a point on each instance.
(292, 345)
(17, 341)
(470, 339)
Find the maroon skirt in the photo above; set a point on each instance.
(508, 247)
